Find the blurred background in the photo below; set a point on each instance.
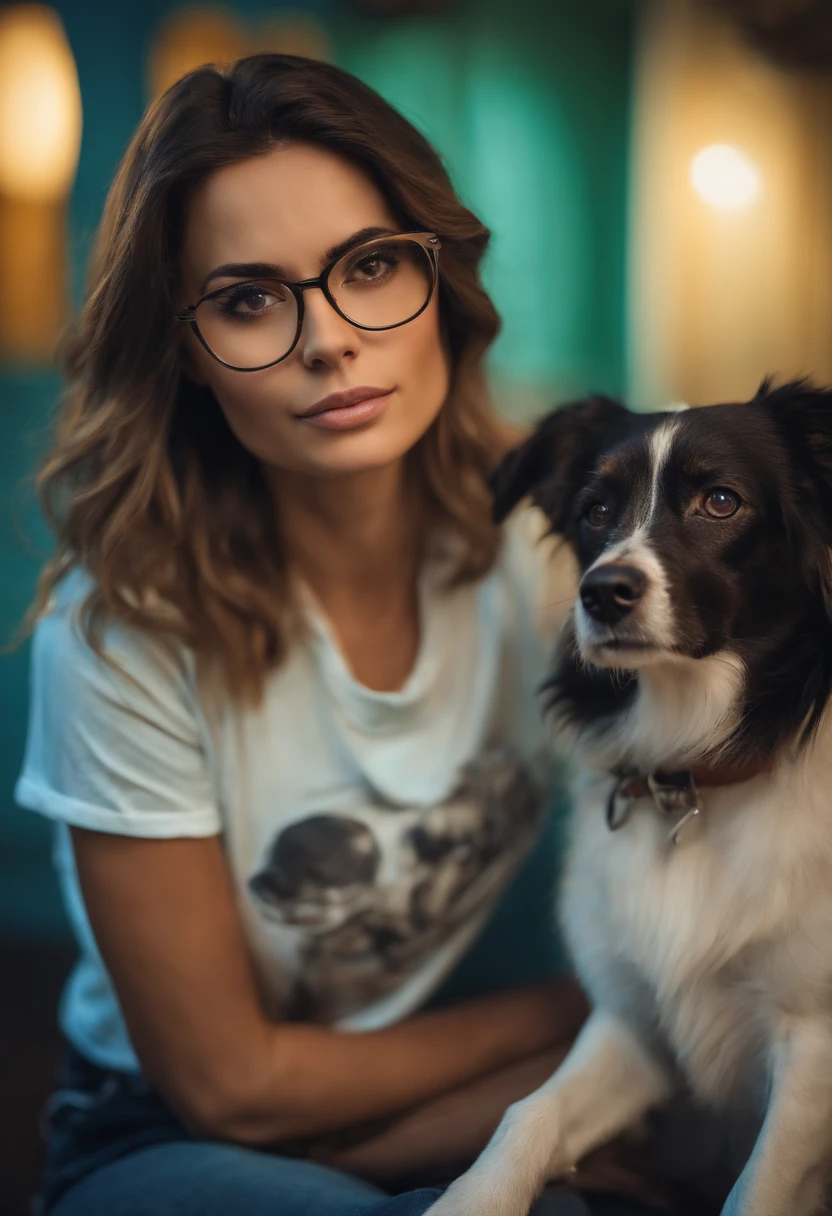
(658, 180)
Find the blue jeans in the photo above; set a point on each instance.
(115, 1149)
(200, 1179)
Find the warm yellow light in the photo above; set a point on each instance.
(725, 178)
(40, 105)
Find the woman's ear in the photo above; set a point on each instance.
(550, 464)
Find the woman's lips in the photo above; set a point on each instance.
(354, 407)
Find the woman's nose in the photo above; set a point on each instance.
(325, 336)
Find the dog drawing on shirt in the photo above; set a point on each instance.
(374, 912)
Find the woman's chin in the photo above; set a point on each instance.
(346, 452)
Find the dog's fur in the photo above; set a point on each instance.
(708, 963)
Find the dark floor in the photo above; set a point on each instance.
(31, 976)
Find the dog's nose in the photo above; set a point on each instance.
(609, 592)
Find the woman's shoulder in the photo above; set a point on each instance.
(63, 643)
(117, 740)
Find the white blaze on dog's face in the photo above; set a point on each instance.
(625, 611)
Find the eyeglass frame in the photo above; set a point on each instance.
(429, 241)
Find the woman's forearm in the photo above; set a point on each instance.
(437, 1140)
(319, 1079)
(442, 1136)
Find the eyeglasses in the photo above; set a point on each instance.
(379, 284)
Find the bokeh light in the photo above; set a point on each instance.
(40, 105)
(725, 178)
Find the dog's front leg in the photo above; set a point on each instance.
(786, 1174)
(605, 1083)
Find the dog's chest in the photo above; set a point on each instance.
(706, 942)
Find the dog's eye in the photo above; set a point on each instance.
(722, 503)
(597, 515)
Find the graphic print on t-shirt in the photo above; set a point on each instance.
(370, 905)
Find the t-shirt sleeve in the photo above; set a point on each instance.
(115, 751)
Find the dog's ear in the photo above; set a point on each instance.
(549, 465)
(802, 413)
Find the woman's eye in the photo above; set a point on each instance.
(598, 515)
(376, 266)
(249, 300)
(721, 503)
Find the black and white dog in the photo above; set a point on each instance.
(693, 679)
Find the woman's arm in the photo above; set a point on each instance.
(166, 922)
(442, 1136)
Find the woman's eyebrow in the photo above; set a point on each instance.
(256, 270)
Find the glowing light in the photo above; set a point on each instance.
(40, 105)
(725, 178)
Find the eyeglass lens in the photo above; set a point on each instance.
(252, 324)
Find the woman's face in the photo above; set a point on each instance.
(288, 209)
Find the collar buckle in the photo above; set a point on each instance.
(674, 795)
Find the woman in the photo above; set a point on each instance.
(283, 670)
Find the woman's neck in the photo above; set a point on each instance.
(356, 543)
(357, 534)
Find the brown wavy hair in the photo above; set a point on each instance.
(145, 486)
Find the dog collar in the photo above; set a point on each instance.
(676, 796)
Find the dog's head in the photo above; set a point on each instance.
(697, 532)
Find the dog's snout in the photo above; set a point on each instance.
(609, 592)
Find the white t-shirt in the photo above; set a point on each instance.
(369, 834)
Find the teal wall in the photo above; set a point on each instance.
(28, 899)
(528, 101)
